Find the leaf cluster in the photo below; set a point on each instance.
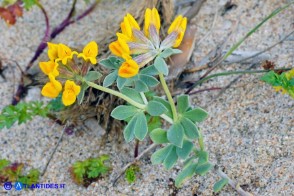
(22, 112)
(89, 170)
(13, 172)
(284, 81)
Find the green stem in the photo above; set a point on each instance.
(164, 116)
(116, 93)
(231, 73)
(200, 141)
(169, 97)
(275, 12)
(126, 98)
(144, 98)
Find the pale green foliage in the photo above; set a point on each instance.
(218, 186)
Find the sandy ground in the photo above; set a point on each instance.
(249, 132)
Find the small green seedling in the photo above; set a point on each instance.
(87, 171)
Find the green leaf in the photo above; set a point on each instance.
(170, 159)
(110, 79)
(218, 186)
(190, 129)
(123, 112)
(141, 128)
(196, 115)
(175, 134)
(166, 104)
(169, 51)
(159, 136)
(120, 82)
(203, 169)
(92, 76)
(149, 80)
(81, 95)
(133, 94)
(79, 170)
(203, 157)
(160, 155)
(140, 86)
(4, 163)
(183, 103)
(111, 62)
(161, 65)
(185, 150)
(154, 122)
(149, 70)
(29, 3)
(130, 174)
(185, 174)
(271, 78)
(155, 108)
(129, 129)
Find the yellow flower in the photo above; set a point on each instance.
(151, 18)
(128, 69)
(120, 48)
(128, 25)
(64, 53)
(90, 52)
(179, 26)
(70, 93)
(49, 67)
(52, 51)
(52, 88)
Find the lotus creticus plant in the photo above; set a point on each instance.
(138, 61)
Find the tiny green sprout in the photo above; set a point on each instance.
(87, 171)
(131, 172)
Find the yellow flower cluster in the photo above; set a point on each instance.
(61, 65)
(145, 45)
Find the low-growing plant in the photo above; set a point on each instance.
(283, 82)
(22, 112)
(87, 171)
(133, 50)
(137, 66)
(131, 173)
(13, 172)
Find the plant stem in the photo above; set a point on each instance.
(233, 184)
(144, 98)
(232, 73)
(169, 97)
(131, 163)
(126, 98)
(116, 93)
(200, 141)
(275, 12)
(45, 39)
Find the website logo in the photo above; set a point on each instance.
(8, 186)
(18, 186)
